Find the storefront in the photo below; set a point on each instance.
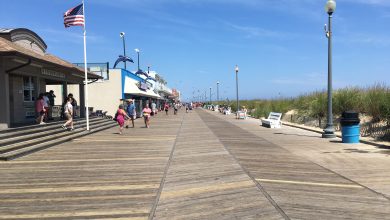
(121, 85)
(26, 70)
(138, 89)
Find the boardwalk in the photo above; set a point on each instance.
(199, 165)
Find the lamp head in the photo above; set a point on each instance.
(330, 6)
(122, 34)
(236, 69)
(217, 82)
(136, 50)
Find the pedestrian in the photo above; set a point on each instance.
(245, 111)
(74, 103)
(68, 112)
(146, 113)
(175, 107)
(131, 112)
(51, 97)
(166, 108)
(154, 109)
(121, 116)
(46, 104)
(40, 109)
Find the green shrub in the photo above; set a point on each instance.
(376, 102)
(347, 99)
(373, 101)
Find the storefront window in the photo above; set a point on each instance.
(28, 89)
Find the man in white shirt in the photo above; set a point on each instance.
(68, 111)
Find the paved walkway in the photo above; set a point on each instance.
(200, 165)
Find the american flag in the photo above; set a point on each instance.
(74, 16)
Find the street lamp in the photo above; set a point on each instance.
(330, 7)
(210, 95)
(137, 51)
(122, 35)
(238, 106)
(217, 91)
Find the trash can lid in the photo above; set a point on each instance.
(350, 115)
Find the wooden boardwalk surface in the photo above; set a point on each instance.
(198, 165)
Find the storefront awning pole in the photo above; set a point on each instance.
(86, 71)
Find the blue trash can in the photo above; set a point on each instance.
(350, 128)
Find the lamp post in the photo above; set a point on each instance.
(330, 7)
(122, 35)
(217, 91)
(210, 95)
(137, 51)
(238, 106)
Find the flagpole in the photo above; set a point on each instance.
(86, 71)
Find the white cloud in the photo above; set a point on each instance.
(312, 79)
(365, 38)
(255, 31)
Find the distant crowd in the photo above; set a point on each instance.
(126, 114)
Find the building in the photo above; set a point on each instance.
(118, 86)
(26, 70)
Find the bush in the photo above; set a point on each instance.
(374, 101)
(347, 99)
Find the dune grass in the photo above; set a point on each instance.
(373, 101)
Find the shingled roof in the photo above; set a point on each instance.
(8, 48)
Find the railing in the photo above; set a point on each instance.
(375, 130)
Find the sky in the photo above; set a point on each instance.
(279, 45)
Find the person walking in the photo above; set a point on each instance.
(40, 109)
(74, 103)
(121, 116)
(51, 97)
(175, 107)
(166, 108)
(68, 112)
(146, 112)
(154, 108)
(46, 104)
(131, 112)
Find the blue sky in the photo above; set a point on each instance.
(279, 45)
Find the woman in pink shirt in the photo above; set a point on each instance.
(146, 112)
(40, 109)
(121, 117)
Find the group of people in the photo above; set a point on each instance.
(43, 106)
(123, 117)
(176, 106)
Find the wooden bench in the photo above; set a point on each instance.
(273, 120)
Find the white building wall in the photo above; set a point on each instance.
(106, 95)
(103, 95)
